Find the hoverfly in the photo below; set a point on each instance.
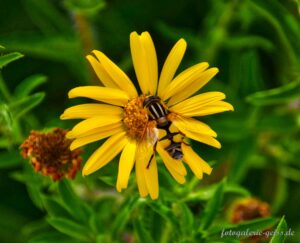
(171, 137)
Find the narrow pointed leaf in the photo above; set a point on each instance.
(8, 58)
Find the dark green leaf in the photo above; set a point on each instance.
(280, 232)
(10, 159)
(165, 212)
(35, 195)
(244, 229)
(54, 208)
(212, 208)
(186, 220)
(278, 95)
(46, 16)
(70, 228)
(8, 58)
(109, 180)
(21, 106)
(241, 156)
(29, 84)
(71, 201)
(124, 215)
(142, 234)
(51, 237)
(85, 7)
(5, 119)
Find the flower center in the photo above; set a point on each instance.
(136, 118)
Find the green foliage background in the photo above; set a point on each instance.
(255, 44)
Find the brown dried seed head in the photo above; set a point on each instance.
(50, 154)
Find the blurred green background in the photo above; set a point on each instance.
(254, 43)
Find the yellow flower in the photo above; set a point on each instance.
(129, 124)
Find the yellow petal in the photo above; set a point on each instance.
(190, 124)
(101, 72)
(201, 138)
(126, 164)
(213, 108)
(151, 178)
(175, 167)
(184, 79)
(146, 171)
(151, 60)
(144, 61)
(193, 85)
(104, 94)
(197, 102)
(117, 75)
(103, 155)
(171, 64)
(140, 166)
(93, 131)
(85, 111)
(195, 162)
(97, 134)
(85, 127)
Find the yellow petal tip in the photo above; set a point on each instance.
(154, 197)
(72, 147)
(70, 135)
(208, 171)
(62, 116)
(71, 94)
(85, 172)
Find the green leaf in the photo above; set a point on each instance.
(280, 232)
(56, 47)
(278, 95)
(29, 84)
(70, 228)
(90, 7)
(35, 195)
(10, 159)
(71, 201)
(241, 155)
(212, 208)
(45, 15)
(186, 220)
(206, 193)
(165, 212)
(230, 231)
(235, 188)
(50, 237)
(54, 208)
(142, 234)
(8, 58)
(59, 48)
(21, 106)
(109, 180)
(252, 41)
(5, 118)
(124, 215)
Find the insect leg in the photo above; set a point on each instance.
(154, 151)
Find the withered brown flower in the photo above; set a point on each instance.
(248, 209)
(50, 154)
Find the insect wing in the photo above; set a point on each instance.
(146, 146)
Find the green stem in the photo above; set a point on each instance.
(277, 27)
(219, 33)
(3, 89)
(165, 238)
